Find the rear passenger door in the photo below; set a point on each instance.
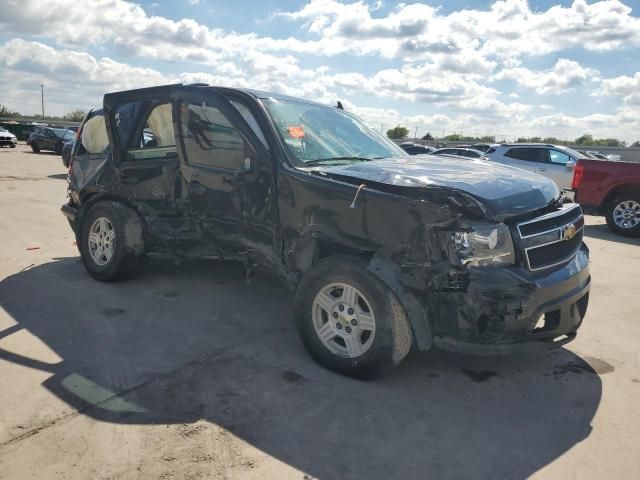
(228, 171)
(146, 162)
(525, 158)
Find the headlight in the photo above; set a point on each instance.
(483, 245)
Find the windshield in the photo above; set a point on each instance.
(315, 133)
(66, 134)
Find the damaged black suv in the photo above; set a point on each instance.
(384, 251)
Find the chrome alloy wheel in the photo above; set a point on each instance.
(627, 214)
(343, 320)
(102, 241)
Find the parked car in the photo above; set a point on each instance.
(7, 139)
(66, 153)
(596, 155)
(590, 156)
(459, 152)
(611, 189)
(482, 147)
(49, 138)
(383, 251)
(416, 149)
(553, 161)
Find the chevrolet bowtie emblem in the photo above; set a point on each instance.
(569, 232)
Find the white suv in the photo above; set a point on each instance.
(552, 161)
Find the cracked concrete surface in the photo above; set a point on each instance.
(188, 371)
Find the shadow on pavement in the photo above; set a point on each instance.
(602, 232)
(179, 344)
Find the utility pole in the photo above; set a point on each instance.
(415, 135)
(381, 128)
(42, 98)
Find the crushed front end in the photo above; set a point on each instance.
(513, 286)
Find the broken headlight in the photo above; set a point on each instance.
(483, 245)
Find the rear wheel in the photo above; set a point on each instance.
(58, 149)
(623, 215)
(350, 321)
(111, 241)
(35, 147)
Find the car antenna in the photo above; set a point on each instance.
(355, 197)
(339, 105)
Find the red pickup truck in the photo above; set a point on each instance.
(611, 189)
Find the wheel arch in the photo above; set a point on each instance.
(93, 198)
(312, 248)
(622, 189)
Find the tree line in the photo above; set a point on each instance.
(399, 133)
(75, 115)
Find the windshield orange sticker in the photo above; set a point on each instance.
(296, 132)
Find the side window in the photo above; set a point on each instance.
(210, 139)
(559, 158)
(160, 125)
(251, 121)
(155, 136)
(93, 139)
(125, 118)
(528, 154)
(517, 153)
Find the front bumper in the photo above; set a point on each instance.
(69, 211)
(508, 310)
(11, 143)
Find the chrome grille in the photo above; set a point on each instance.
(551, 239)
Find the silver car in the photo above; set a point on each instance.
(553, 161)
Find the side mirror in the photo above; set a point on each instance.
(570, 164)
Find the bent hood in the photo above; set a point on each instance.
(503, 191)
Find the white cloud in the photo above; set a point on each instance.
(509, 29)
(71, 78)
(445, 62)
(565, 75)
(624, 86)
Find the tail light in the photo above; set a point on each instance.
(578, 171)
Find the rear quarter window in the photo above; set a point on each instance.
(94, 137)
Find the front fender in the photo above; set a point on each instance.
(389, 273)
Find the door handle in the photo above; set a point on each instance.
(542, 169)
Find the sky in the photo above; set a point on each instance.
(506, 68)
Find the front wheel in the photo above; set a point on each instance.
(350, 321)
(623, 215)
(35, 147)
(111, 241)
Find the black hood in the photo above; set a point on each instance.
(503, 191)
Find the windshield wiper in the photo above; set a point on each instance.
(320, 161)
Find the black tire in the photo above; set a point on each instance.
(128, 241)
(58, 149)
(35, 147)
(13, 146)
(393, 336)
(609, 213)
